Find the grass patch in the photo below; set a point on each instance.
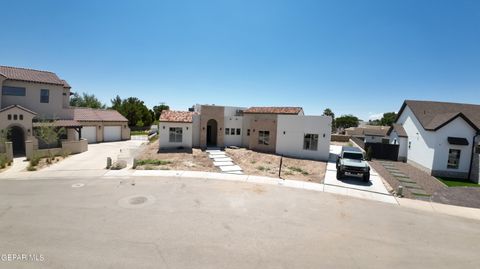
(457, 182)
(153, 139)
(153, 162)
(138, 133)
(298, 170)
(263, 168)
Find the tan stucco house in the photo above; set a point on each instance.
(281, 130)
(30, 98)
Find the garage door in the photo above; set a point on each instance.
(90, 133)
(112, 133)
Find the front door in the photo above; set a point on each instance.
(17, 136)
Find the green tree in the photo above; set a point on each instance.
(329, 112)
(86, 100)
(388, 118)
(346, 121)
(49, 134)
(157, 110)
(134, 110)
(116, 102)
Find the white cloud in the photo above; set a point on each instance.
(376, 116)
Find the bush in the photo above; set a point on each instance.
(3, 161)
(299, 170)
(31, 168)
(65, 153)
(262, 168)
(34, 161)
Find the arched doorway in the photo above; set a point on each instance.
(212, 133)
(17, 136)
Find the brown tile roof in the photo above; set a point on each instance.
(176, 116)
(20, 107)
(31, 75)
(434, 115)
(273, 110)
(90, 114)
(59, 123)
(398, 129)
(369, 130)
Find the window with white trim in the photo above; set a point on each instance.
(310, 142)
(227, 131)
(175, 135)
(264, 138)
(453, 158)
(238, 131)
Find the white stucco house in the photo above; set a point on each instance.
(438, 137)
(281, 130)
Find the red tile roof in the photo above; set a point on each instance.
(273, 110)
(31, 75)
(176, 116)
(90, 114)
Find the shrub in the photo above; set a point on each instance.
(263, 168)
(369, 154)
(65, 153)
(3, 161)
(31, 168)
(299, 170)
(34, 161)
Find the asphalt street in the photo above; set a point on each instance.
(197, 223)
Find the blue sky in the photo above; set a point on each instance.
(359, 57)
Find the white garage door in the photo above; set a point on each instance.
(112, 133)
(90, 133)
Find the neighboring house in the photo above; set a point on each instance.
(369, 133)
(441, 138)
(30, 98)
(282, 130)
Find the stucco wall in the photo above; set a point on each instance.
(215, 113)
(421, 151)
(235, 122)
(262, 122)
(75, 146)
(53, 109)
(475, 174)
(164, 132)
(402, 143)
(25, 124)
(292, 129)
(456, 128)
(196, 130)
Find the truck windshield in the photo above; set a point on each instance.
(351, 155)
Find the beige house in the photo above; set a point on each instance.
(32, 98)
(282, 130)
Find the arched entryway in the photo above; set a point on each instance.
(212, 133)
(17, 136)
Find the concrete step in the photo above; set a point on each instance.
(223, 163)
(230, 168)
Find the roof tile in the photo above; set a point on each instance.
(31, 75)
(274, 110)
(176, 116)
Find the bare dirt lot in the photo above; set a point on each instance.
(265, 164)
(194, 160)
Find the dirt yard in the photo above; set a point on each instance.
(195, 160)
(264, 164)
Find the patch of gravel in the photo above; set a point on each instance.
(460, 196)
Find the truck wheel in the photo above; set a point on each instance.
(366, 177)
(339, 174)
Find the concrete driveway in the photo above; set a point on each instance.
(352, 185)
(89, 163)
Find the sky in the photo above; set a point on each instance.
(355, 57)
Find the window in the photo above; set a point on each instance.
(21, 116)
(238, 131)
(44, 96)
(264, 138)
(409, 144)
(9, 116)
(248, 132)
(310, 141)
(227, 131)
(453, 158)
(232, 131)
(13, 91)
(15, 117)
(175, 135)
